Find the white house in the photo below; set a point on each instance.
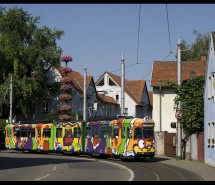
(164, 95)
(209, 106)
(137, 102)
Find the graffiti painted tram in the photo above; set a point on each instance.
(124, 138)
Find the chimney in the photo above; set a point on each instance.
(203, 58)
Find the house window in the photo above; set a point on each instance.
(101, 83)
(126, 111)
(209, 87)
(110, 82)
(212, 134)
(117, 97)
(209, 136)
(212, 86)
(45, 107)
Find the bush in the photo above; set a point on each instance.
(2, 123)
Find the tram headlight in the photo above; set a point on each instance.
(149, 147)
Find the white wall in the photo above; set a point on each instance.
(209, 107)
(167, 110)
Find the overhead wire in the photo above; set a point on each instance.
(169, 40)
(167, 16)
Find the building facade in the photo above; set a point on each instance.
(136, 99)
(209, 106)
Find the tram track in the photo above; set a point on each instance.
(155, 170)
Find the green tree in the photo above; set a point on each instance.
(199, 48)
(26, 53)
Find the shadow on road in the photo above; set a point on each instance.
(10, 160)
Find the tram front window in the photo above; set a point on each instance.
(148, 133)
(138, 133)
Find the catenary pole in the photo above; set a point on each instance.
(123, 86)
(85, 95)
(11, 100)
(179, 130)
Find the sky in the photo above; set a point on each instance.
(96, 35)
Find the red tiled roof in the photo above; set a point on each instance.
(134, 88)
(150, 98)
(168, 71)
(78, 80)
(107, 99)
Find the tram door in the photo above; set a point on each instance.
(116, 140)
(43, 136)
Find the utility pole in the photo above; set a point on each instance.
(84, 109)
(179, 130)
(85, 95)
(123, 86)
(11, 101)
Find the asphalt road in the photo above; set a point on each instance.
(41, 167)
(55, 167)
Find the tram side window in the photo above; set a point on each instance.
(96, 132)
(31, 132)
(88, 132)
(23, 132)
(59, 132)
(104, 132)
(46, 132)
(138, 133)
(123, 132)
(109, 132)
(129, 131)
(68, 132)
(77, 132)
(115, 132)
(16, 132)
(38, 133)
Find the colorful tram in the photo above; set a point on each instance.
(122, 138)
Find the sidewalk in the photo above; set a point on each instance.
(207, 172)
